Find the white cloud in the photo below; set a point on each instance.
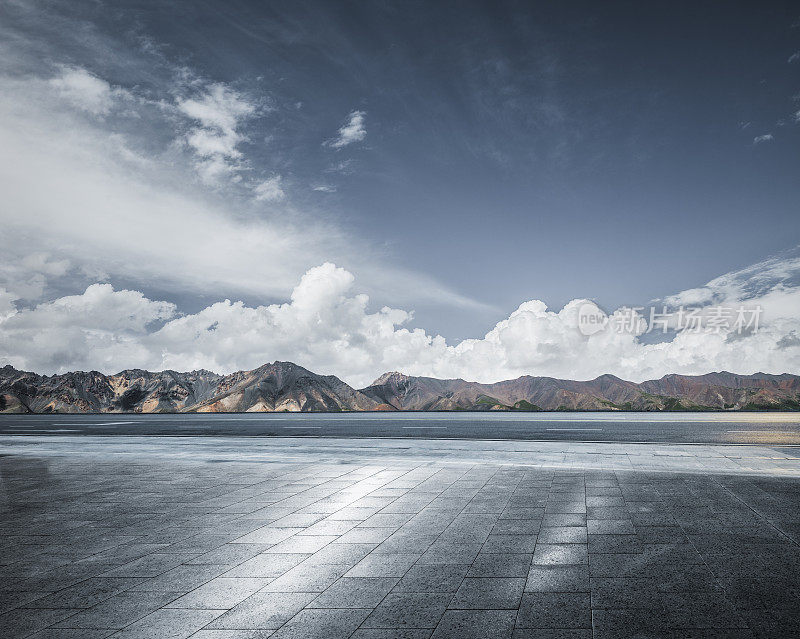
(352, 131)
(270, 190)
(324, 188)
(219, 112)
(794, 57)
(27, 276)
(327, 327)
(85, 91)
(780, 272)
(94, 330)
(767, 137)
(218, 107)
(122, 203)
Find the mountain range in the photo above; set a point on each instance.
(284, 386)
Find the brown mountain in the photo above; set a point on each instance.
(714, 391)
(283, 386)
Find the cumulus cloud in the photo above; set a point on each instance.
(327, 326)
(353, 131)
(94, 330)
(27, 277)
(767, 137)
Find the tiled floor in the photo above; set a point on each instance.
(164, 540)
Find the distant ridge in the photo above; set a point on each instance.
(284, 386)
(280, 386)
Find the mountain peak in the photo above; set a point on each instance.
(391, 376)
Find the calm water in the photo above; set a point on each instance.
(762, 428)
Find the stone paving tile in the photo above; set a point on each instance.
(180, 579)
(298, 544)
(509, 544)
(23, 622)
(563, 519)
(349, 554)
(205, 633)
(554, 633)
(557, 578)
(11, 599)
(221, 593)
(322, 624)
(355, 592)
(263, 611)
(148, 566)
(500, 565)
(265, 565)
(398, 547)
(383, 565)
(560, 554)
(119, 611)
(555, 610)
(563, 535)
(168, 624)
(392, 633)
(269, 535)
(408, 610)
(448, 554)
(516, 527)
(227, 554)
(366, 535)
(488, 593)
(609, 526)
(433, 578)
(475, 624)
(615, 544)
(86, 593)
(71, 633)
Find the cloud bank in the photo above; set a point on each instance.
(327, 327)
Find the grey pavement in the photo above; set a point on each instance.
(230, 538)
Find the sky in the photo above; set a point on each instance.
(438, 188)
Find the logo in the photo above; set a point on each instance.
(591, 319)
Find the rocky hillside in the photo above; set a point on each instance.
(283, 386)
(715, 391)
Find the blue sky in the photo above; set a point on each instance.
(456, 158)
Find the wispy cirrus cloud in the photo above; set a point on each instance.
(218, 112)
(270, 190)
(154, 187)
(760, 139)
(352, 131)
